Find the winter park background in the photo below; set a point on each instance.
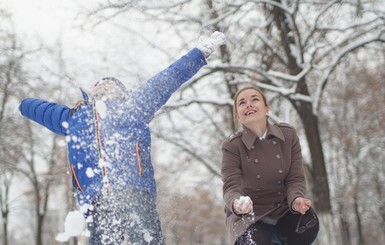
(321, 63)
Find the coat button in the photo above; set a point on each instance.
(274, 142)
(279, 205)
(252, 147)
(280, 171)
(278, 156)
(256, 161)
(258, 176)
(279, 182)
(279, 193)
(258, 189)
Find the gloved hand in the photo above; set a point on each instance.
(243, 205)
(208, 46)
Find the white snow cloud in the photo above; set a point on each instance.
(74, 225)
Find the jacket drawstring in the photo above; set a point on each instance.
(98, 139)
(76, 178)
(138, 159)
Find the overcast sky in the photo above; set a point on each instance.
(58, 20)
(45, 18)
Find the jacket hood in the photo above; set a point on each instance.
(110, 87)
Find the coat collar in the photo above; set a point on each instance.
(248, 137)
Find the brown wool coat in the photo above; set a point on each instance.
(269, 171)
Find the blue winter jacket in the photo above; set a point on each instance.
(111, 142)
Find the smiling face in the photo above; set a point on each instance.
(250, 106)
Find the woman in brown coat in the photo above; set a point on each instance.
(263, 179)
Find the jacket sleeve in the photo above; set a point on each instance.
(50, 115)
(151, 96)
(295, 180)
(231, 174)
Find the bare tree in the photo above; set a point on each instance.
(289, 48)
(11, 59)
(352, 119)
(42, 182)
(24, 153)
(43, 160)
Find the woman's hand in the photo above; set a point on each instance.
(301, 205)
(243, 205)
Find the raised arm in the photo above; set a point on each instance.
(47, 114)
(151, 96)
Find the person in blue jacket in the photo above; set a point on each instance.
(109, 148)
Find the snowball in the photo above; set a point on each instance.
(147, 237)
(62, 237)
(102, 163)
(68, 138)
(74, 138)
(85, 207)
(65, 125)
(90, 173)
(244, 198)
(74, 225)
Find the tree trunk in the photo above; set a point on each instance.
(320, 188)
(39, 231)
(5, 227)
(345, 232)
(358, 218)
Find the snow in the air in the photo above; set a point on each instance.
(74, 225)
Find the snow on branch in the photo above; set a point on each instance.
(346, 39)
(289, 77)
(302, 97)
(275, 4)
(351, 26)
(313, 29)
(147, 6)
(187, 102)
(273, 76)
(342, 53)
(286, 92)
